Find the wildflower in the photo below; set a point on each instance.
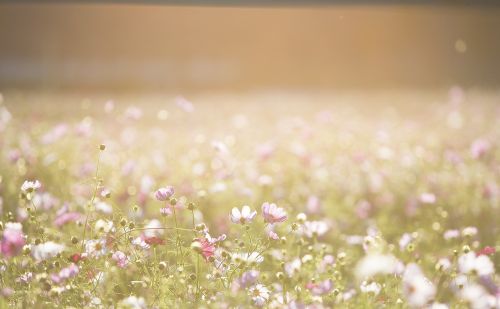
(272, 213)
(164, 194)
(120, 258)
(486, 251)
(103, 207)
(259, 294)
(154, 240)
(315, 228)
(66, 217)
(204, 247)
(134, 302)
(293, 267)
(417, 288)
(320, 288)
(248, 278)
(13, 239)
(479, 148)
(443, 264)
(30, 186)
(370, 287)
(249, 258)
(451, 234)
(478, 297)
(153, 229)
(65, 273)
(469, 231)
(244, 216)
(95, 247)
(480, 265)
(46, 250)
(104, 226)
(272, 235)
(373, 264)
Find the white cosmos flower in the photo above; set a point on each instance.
(246, 215)
(315, 228)
(259, 294)
(417, 288)
(249, 258)
(104, 226)
(470, 263)
(374, 264)
(30, 186)
(293, 267)
(478, 297)
(46, 250)
(372, 287)
(95, 247)
(134, 302)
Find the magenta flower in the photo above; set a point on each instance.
(204, 247)
(272, 213)
(164, 194)
(13, 239)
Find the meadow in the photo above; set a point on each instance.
(273, 200)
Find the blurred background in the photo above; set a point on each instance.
(189, 49)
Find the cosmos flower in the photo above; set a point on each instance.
(204, 247)
(259, 294)
(315, 228)
(418, 290)
(120, 258)
(480, 265)
(244, 216)
(320, 288)
(66, 217)
(134, 302)
(13, 239)
(248, 278)
(370, 287)
(46, 250)
(272, 213)
(104, 226)
(164, 194)
(30, 186)
(68, 272)
(248, 257)
(293, 267)
(374, 264)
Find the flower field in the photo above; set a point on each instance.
(271, 200)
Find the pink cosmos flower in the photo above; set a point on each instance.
(321, 287)
(164, 194)
(13, 239)
(479, 148)
(272, 235)
(246, 215)
(120, 258)
(272, 213)
(205, 248)
(65, 273)
(66, 218)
